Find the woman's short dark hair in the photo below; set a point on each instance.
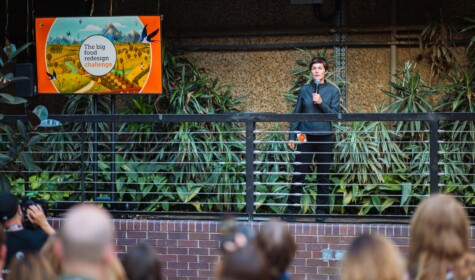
(318, 59)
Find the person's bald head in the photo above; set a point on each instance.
(87, 233)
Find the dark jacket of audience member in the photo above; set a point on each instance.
(21, 240)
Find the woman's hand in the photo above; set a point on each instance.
(317, 98)
(291, 144)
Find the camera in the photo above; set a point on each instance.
(25, 203)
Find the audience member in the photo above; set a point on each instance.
(3, 251)
(116, 270)
(242, 259)
(48, 253)
(372, 257)
(85, 244)
(21, 240)
(32, 266)
(243, 262)
(142, 263)
(278, 246)
(439, 240)
(234, 235)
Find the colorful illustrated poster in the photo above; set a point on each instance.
(99, 55)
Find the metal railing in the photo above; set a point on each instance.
(171, 165)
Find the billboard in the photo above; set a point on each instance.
(99, 55)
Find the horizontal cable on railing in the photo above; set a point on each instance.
(166, 133)
(334, 184)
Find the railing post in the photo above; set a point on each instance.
(250, 127)
(434, 155)
(82, 170)
(95, 151)
(113, 177)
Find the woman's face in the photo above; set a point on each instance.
(318, 72)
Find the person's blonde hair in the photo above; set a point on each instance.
(372, 257)
(438, 239)
(47, 251)
(32, 266)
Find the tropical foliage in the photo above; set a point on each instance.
(381, 167)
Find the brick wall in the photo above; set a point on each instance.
(190, 249)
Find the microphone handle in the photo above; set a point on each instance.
(317, 87)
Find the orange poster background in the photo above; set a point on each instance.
(42, 27)
(153, 84)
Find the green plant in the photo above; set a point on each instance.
(273, 174)
(438, 40)
(197, 150)
(141, 183)
(459, 96)
(18, 145)
(69, 142)
(410, 96)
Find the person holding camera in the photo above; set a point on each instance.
(21, 238)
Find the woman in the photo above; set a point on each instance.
(142, 263)
(278, 245)
(439, 243)
(372, 257)
(315, 138)
(32, 266)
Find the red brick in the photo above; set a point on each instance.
(168, 272)
(198, 251)
(327, 239)
(303, 254)
(306, 239)
(168, 258)
(177, 251)
(178, 235)
(199, 236)
(137, 234)
(204, 274)
(328, 270)
(188, 243)
(177, 265)
(124, 241)
(158, 235)
(188, 258)
(208, 244)
(315, 247)
(200, 266)
(167, 243)
(149, 242)
(187, 273)
(306, 269)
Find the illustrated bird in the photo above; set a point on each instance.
(68, 33)
(147, 38)
(51, 76)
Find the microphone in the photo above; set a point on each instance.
(317, 85)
